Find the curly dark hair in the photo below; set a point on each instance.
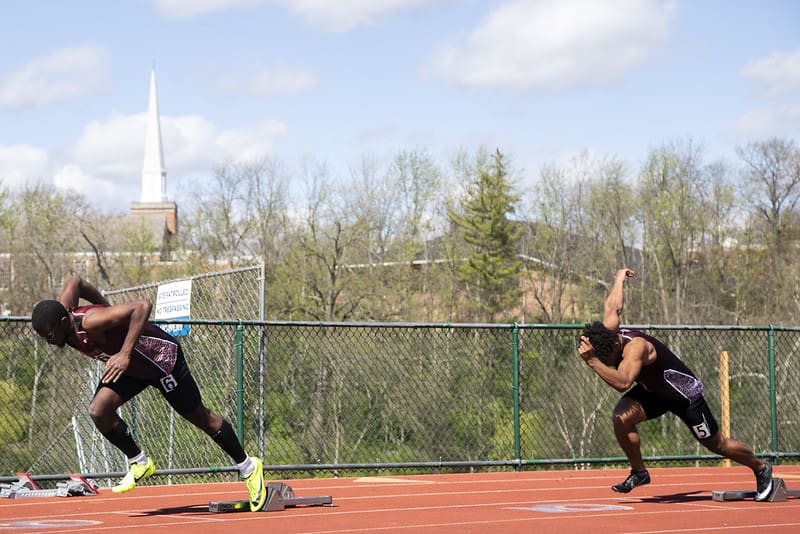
(46, 314)
(602, 340)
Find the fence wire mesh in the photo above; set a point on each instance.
(386, 396)
(232, 294)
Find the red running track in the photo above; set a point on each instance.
(677, 500)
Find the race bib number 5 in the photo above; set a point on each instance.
(701, 431)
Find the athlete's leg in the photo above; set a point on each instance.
(103, 411)
(741, 453)
(184, 397)
(627, 414)
(700, 420)
(219, 429)
(186, 400)
(733, 449)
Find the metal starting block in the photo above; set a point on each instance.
(24, 483)
(25, 487)
(779, 493)
(279, 497)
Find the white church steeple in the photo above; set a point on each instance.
(154, 173)
(160, 213)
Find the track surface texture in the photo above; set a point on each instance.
(677, 500)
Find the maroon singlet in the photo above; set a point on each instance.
(154, 355)
(667, 377)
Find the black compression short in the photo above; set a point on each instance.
(695, 413)
(178, 388)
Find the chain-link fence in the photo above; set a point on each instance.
(317, 396)
(232, 294)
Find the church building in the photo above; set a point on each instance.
(157, 211)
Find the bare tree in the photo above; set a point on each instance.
(722, 286)
(220, 223)
(330, 238)
(772, 172)
(418, 180)
(551, 242)
(671, 192)
(44, 245)
(418, 184)
(8, 224)
(771, 182)
(581, 229)
(266, 184)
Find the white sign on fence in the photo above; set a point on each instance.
(174, 302)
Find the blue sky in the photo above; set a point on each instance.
(238, 80)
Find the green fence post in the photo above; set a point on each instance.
(240, 382)
(515, 391)
(773, 408)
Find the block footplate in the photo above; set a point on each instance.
(279, 497)
(25, 487)
(779, 493)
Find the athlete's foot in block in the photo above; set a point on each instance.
(764, 482)
(255, 486)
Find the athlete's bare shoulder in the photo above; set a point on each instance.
(641, 349)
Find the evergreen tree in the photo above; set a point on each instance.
(491, 271)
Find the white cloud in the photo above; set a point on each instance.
(113, 147)
(777, 121)
(189, 144)
(100, 191)
(105, 162)
(556, 44)
(65, 74)
(778, 72)
(21, 164)
(192, 144)
(329, 15)
(251, 143)
(345, 15)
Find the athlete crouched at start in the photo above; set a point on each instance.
(137, 354)
(655, 381)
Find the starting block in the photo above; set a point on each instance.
(25, 487)
(279, 497)
(779, 493)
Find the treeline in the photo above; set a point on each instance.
(472, 240)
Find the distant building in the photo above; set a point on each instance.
(157, 211)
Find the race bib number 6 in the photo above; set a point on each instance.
(169, 383)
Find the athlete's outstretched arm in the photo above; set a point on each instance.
(612, 310)
(76, 288)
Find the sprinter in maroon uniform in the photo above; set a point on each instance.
(655, 381)
(137, 354)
